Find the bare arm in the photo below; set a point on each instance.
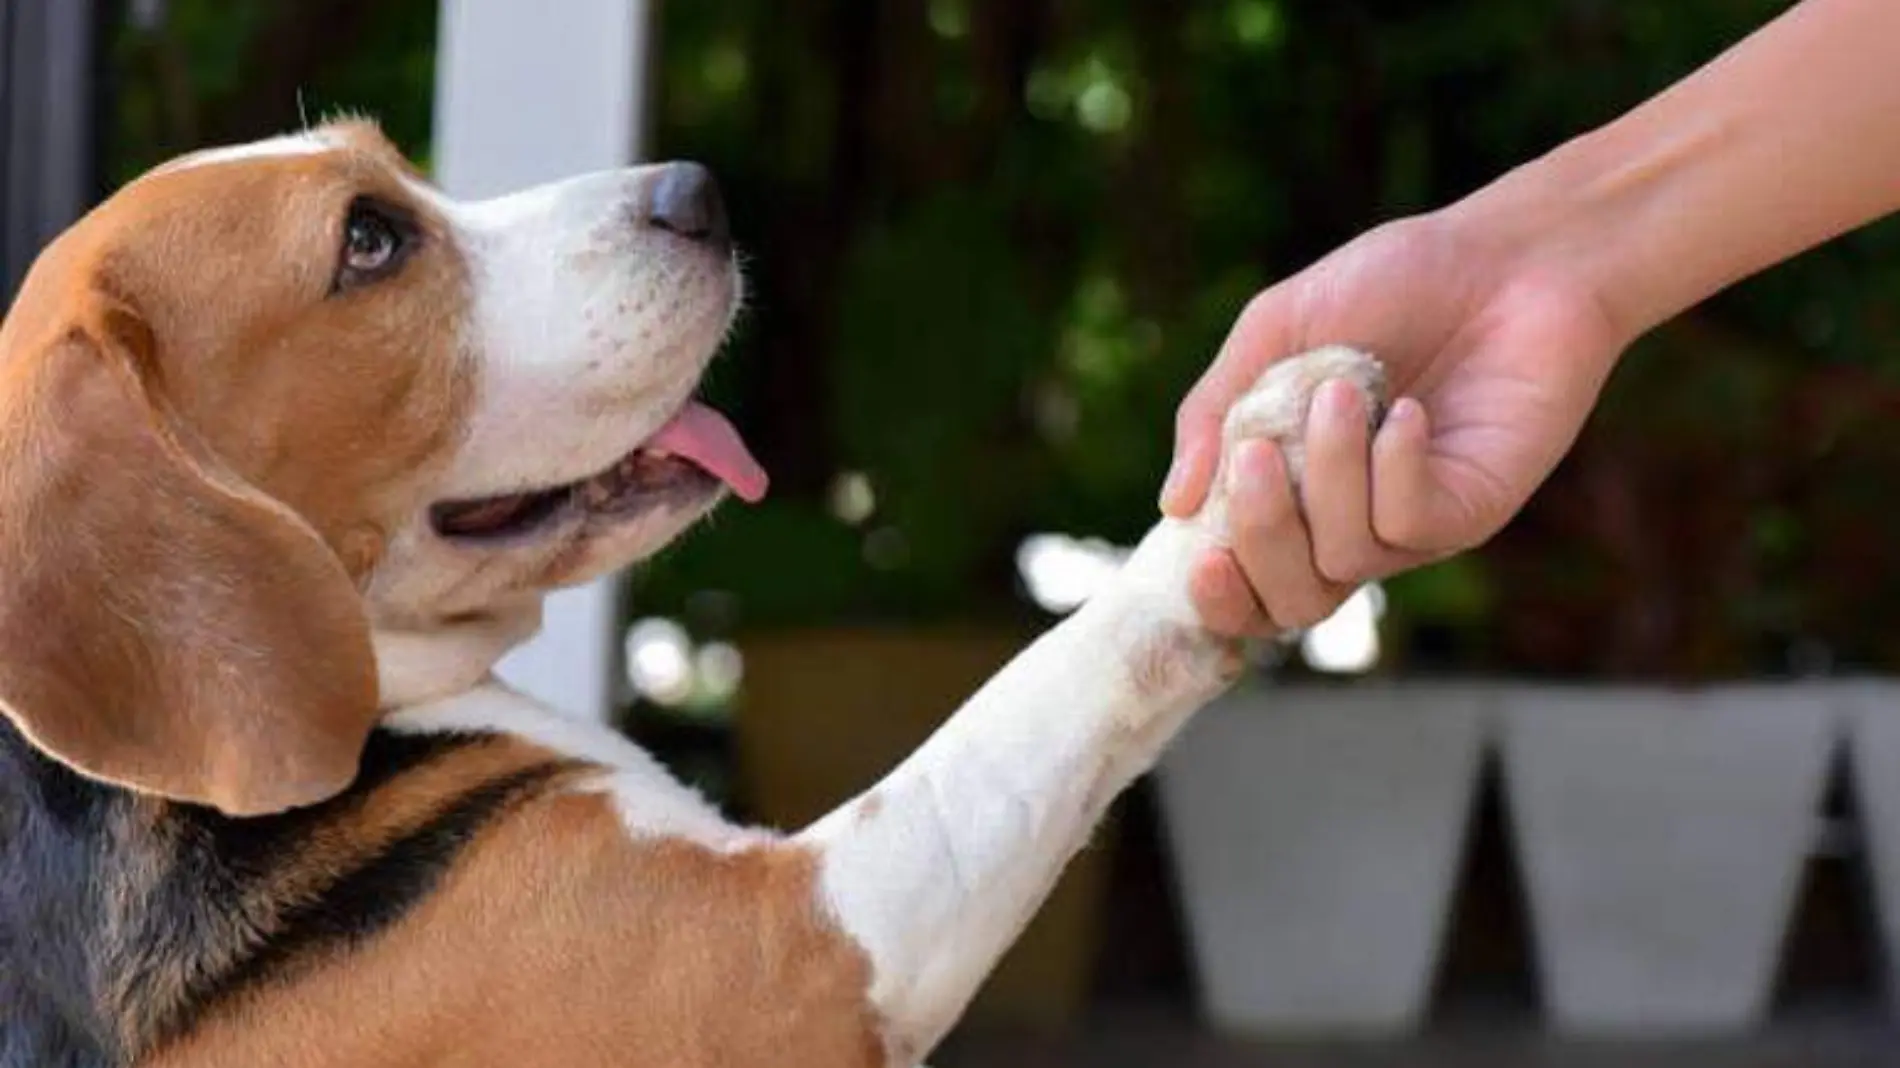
(935, 871)
(1787, 140)
(1499, 317)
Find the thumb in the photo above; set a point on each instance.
(1258, 338)
(1196, 455)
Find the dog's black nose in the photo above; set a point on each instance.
(686, 202)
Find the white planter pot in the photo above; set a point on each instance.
(1662, 836)
(1317, 835)
(1872, 712)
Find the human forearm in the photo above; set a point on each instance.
(1499, 317)
(1787, 140)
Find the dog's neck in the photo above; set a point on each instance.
(417, 664)
(125, 918)
(52, 824)
(62, 837)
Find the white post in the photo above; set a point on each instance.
(46, 124)
(526, 93)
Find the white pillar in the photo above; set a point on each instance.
(47, 116)
(526, 93)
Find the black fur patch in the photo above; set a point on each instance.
(376, 894)
(123, 920)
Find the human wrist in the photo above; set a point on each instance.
(1551, 229)
(1565, 222)
(1757, 157)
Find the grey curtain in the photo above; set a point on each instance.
(47, 127)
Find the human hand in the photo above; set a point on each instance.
(1494, 359)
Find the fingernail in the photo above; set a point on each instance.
(1405, 410)
(1339, 400)
(1171, 485)
(1253, 460)
(1255, 468)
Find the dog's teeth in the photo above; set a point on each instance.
(658, 454)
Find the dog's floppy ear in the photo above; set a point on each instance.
(163, 625)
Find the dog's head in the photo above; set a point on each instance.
(287, 436)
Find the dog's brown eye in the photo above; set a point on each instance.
(374, 243)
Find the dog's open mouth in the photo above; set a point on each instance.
(696, 451)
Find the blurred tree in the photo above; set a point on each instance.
(188, 73)
(991, 241)
(996, 240)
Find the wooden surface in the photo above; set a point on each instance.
(1165, 1042)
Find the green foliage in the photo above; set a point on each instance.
(1138, 175)
(221, 71)
(934, 330)
(992, 241)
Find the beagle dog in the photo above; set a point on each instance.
(291, 448)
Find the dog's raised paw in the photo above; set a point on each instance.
(1277, 405)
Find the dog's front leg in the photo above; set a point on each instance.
(937, 870)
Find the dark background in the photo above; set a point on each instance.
(992, 242)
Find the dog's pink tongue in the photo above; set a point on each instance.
(706, 438)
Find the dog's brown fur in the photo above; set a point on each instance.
(203, 453)
(665, 955)
(277, 435)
